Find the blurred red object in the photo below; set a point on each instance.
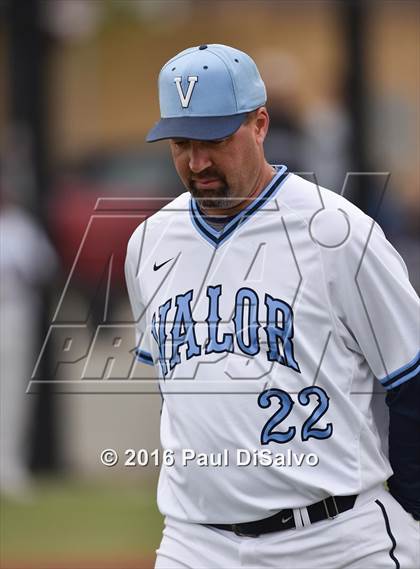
(96, 206)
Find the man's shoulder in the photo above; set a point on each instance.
(328, 216)
(307, 197)
(158, 223)
(179, 205)
(338, 228)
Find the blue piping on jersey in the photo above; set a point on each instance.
(144, 357)
(404, 379)
(402, 374)
(215, 237)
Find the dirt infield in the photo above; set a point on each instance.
(79, 564)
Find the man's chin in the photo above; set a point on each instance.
(211, 198)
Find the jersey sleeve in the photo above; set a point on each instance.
(132, 263)
(375, 303)
(404, 445)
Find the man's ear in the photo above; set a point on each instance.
(262, 121)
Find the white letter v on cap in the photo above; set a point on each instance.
(185, 100)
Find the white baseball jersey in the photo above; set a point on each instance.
(269, 335)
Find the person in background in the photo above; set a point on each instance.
(27, 263)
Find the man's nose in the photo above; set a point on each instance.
(199, 158)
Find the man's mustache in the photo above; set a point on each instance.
(206, 175)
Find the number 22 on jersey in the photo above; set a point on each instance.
(308, 430)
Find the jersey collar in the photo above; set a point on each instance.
(216, 237)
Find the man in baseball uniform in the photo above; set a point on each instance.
(272, 310)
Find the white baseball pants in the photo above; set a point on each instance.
(376, 534)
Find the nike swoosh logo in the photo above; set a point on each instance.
(285, 520)
(157, 267)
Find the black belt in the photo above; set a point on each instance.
(328, 508)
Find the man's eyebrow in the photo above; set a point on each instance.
(213, 140)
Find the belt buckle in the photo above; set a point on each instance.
(330, 516)
(237, 531)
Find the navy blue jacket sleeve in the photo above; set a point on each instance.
(404, 444)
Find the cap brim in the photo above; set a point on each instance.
(196, 128)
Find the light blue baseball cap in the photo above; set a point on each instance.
(206, 92)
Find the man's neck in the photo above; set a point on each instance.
(267, 175)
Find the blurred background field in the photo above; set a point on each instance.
(78, 92)
(70, 523)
